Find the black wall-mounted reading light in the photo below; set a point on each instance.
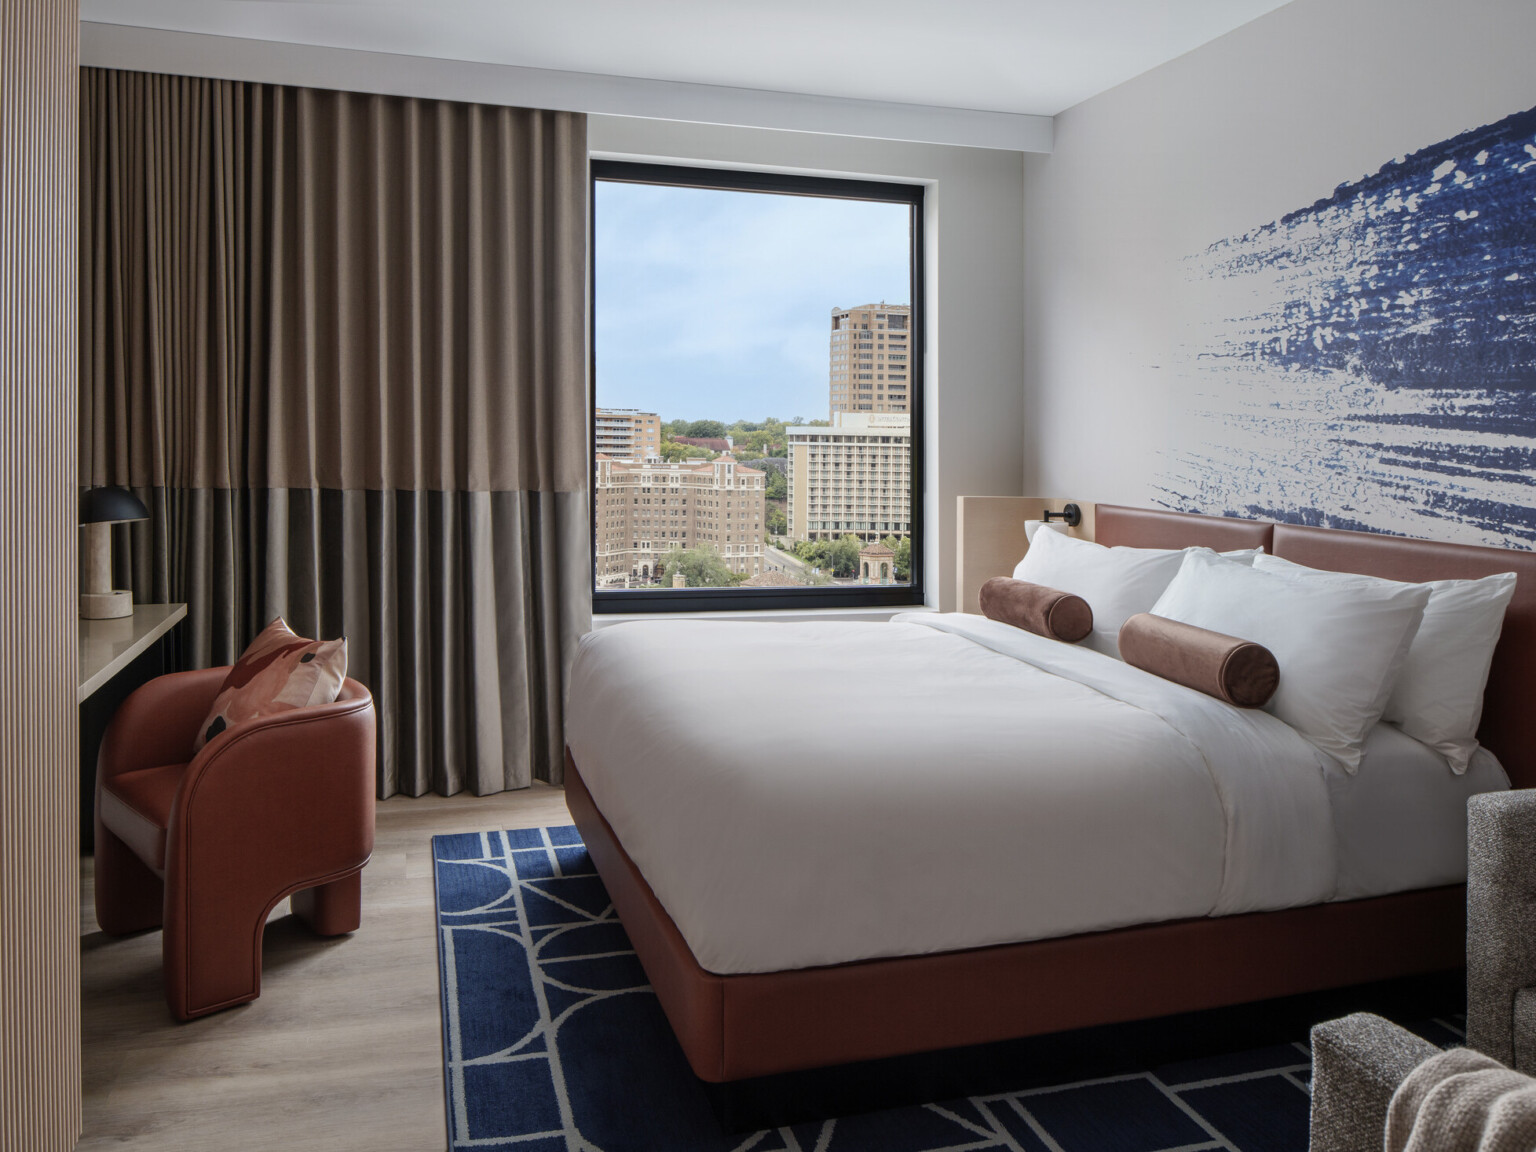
(1071, 516)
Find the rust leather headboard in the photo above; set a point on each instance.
(1151, 528)
(1509, 706)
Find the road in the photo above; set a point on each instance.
(777, 560)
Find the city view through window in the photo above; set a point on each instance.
(754, 389)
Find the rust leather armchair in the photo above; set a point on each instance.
(205, 846)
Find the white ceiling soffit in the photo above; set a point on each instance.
(984, 73)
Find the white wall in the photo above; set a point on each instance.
(974, 236)
(1227, 138)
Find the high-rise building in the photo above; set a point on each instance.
(852, 478)
(871, 367)
(645, 509)
(627, 434)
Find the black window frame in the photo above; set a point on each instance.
(912, 594)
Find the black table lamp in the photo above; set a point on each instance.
(100, 508)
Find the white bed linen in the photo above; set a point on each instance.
(806, 794)
(1401, 822)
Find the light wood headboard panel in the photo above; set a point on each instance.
(990, 541)
(39, 723)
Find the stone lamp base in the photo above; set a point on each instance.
(106, 605)
(98, 599)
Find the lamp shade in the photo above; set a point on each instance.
(111, 505)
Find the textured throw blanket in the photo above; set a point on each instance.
(1463, 1101)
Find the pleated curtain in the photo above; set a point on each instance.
(336, 342)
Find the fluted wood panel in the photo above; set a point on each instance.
(39, 730)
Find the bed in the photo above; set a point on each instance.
(790, 916)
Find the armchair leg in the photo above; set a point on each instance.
(211, 949)
(332, 909)
(210, 954)
(129, 896)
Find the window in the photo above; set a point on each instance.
(737, 315)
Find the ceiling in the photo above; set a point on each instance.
(1020, 56)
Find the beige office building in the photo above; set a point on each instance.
(646, 509)
(627, 434)
(871, 365)
(852, 478)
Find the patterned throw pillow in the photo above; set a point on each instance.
(277, 672)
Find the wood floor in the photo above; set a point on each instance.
(341, 1052)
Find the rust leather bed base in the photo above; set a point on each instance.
(735, 1027)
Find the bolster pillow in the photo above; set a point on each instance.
(1036, 608)
(1237, 671)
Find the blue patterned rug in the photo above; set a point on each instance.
(553, 1042)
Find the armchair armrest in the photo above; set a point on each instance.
(157, 724)
(1501, 923)
(290, 794)
(298, 786)
(1357, 1063)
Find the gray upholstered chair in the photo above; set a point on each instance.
(1359, 1061)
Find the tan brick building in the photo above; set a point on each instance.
(852, 478)
(627, 434)
(871, 366)
(646, 509)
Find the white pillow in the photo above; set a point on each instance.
(1350, 580)
(1438, 698)
(1336, 645)
(1117, 582)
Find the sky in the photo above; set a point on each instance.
(715, 305)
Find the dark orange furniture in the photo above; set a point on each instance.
(205, 846)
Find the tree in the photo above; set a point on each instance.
(671, 450)
(776, 488)
(706, 430)
(840, 557)
(812, 553)
(902, 546)
(702, 567)
(777, 522)
(845, 555)
(766, 438)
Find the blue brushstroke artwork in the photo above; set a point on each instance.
(1369, 361)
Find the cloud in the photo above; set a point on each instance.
(717, 304)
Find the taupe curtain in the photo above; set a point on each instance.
(336, 342)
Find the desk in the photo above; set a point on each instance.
(109, 646)
(116, 656)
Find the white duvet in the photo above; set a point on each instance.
(807, 794)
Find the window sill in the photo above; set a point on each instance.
(780, 615)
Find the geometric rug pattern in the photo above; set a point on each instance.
(553, 1042)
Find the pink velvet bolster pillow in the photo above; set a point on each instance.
(1237, 671)
(1036, 608)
